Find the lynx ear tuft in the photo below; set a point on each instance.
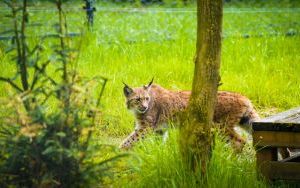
(127, 90)
(149, 85)
(151, 82)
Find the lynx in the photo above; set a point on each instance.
(154, 106)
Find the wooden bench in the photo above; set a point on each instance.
(275, 133)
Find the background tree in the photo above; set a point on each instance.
(196, 137)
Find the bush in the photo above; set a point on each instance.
(43, 150)
(47, 124)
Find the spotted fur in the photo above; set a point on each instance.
(153, 106)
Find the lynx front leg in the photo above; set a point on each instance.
(135, 136)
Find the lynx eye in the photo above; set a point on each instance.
(138, 99)
(147, 98)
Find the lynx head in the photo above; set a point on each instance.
(138, 99)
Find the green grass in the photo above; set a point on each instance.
(264, 69)
(158, 164)
(135, 46)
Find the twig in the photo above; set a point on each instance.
(101, 92)
(39, 71)
(42, 71)
(9, 81)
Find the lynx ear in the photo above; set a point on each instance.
(127, 90)
(150, 83)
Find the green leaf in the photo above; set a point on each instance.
(48, 150)
(61, 134)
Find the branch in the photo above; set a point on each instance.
(48, 77)
(9, 81)
(22, 57)
(39, 71)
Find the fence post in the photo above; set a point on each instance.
(89, 8)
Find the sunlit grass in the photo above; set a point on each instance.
(264, 69)
(158, 164)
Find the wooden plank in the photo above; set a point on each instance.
(291, 119)
(294, 158)
(263, 158)
(276, 139)
(284, 170)
(282, 127)
(282, 115)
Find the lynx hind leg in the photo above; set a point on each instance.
(236, 140)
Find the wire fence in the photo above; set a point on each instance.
(114, 25)
(166, 10)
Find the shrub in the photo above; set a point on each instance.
(47, 124)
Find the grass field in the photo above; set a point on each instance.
(260, 59)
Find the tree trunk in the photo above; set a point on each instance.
(196, 138)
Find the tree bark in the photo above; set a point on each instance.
(196, 137)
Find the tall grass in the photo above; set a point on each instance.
(158, 164)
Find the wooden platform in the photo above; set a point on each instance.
(273, 134)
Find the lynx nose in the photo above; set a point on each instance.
(143, 108)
